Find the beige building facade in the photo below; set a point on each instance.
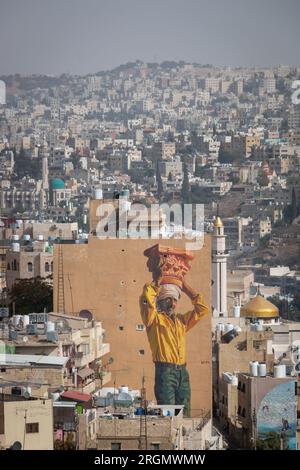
(29, 422)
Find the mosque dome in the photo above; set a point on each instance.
(57, 183)
(259, 307)
(218, 222)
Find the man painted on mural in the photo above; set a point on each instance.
(166, 332)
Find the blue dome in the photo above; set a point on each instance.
(57, 183)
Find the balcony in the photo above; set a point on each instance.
(105, 378)
(82, 360)
(104, 349)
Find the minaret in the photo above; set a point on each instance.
(45, 172)
(44, 193)
(219, 270)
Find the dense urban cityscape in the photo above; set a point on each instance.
(76, 370)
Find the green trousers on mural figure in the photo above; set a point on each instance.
(172, 386)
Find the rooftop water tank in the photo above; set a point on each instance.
(40, 237)
(16, 320)
(15, 247)
(279, 371)
(259, 327)
(98, 193)
(253, 366)
(234, 380)
(26, 392)
(31, 329)
(262, 369)
(238, 329)
(50, 326)
(26, 237)
(55, 396)
(123, 389)
(25, 320)
(236, 311)
(220, 327)
(228, 327)
(15, 237)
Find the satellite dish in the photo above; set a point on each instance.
(86, 314)
(16, 446)
(25, 339)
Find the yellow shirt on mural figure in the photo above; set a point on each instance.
(166, 335)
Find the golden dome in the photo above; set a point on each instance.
(218, 222)
(259, 307)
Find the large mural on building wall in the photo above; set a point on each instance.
(278, 413)
(166, 327)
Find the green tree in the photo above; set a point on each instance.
(31, 295)
(262, 179)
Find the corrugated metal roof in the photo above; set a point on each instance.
(76, 396)
(83, 373)
(31, 359)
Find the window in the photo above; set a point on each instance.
(121, 328)
(32, 428)
(154, 446)
(140, 327)
(141, 352)
(52, 266)
(47, 267)
(116, 446)
(29, 267)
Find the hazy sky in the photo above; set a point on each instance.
(86, 36)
